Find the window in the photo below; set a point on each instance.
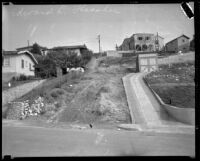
(6, 62)
(30, 66)
(26, 64)
(22, 63)
(183, 40)
(147, 38)
(139, 38)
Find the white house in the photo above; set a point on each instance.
(16, 63)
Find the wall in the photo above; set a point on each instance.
(16, 92)
(161, 43)
(74, 50)
(144, 41)
(12, 67)
(24, 70)
(172, 46)
(183, 46)
(112, 53)
(190, 56)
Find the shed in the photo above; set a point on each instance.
(147, 62)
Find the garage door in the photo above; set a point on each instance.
(147, 64)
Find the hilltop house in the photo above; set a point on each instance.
(16, 63)
(142, 42)
(67, 49)
(43, 50)
(180, 43)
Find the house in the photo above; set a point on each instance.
(143, 42)
(67, 49)
(16, 63)
(43, 50)
(180, 43)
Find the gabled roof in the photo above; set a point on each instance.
(71, 47)
(9, 53)
(177, 38)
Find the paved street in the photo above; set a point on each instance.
(20, 140)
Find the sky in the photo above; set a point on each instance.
(63, 25)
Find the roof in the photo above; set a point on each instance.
(30, 47)
(71, 47)
(9, 53)
(142, 34)
(177, 38)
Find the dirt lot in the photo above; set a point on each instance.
(100, 98)
(95, 97)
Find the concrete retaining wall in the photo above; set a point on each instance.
(16, 92)
(177, 58)
(184, 115)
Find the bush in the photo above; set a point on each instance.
(55, 93)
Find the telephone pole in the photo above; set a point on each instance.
(99, 43)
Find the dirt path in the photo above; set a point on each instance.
(101, 98)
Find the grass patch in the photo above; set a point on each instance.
(45, 88)
(180, 96)
(176, 73)
(179, 93)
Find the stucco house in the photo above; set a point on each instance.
(180, 43)
(143, 42)
(67, 49)
(16, 63)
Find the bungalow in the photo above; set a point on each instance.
(67, 49)
(180, 43)
(16, 63)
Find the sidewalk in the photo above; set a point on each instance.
(146, 112)
(145, 107)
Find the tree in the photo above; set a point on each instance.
(45, 68)
(36, 49)
(86, 57)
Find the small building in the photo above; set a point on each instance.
(180, 43)
(143, 42)
(16, 63)
(112, 53)
(67, 49)
(147, 62)
(43, 50)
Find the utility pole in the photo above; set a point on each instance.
(99, 43)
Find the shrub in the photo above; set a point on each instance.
(55, 93)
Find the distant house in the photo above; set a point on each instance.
(16, 63)
(67, 49)
(43, 50)
(180, 43)
(143, 42)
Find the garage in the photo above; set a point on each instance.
(147, 62)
